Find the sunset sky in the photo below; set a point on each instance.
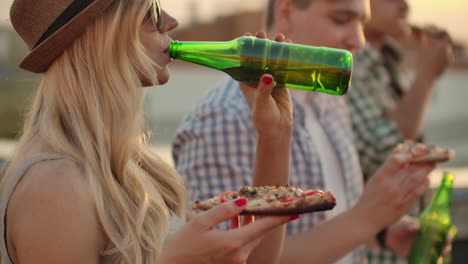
(450, 14)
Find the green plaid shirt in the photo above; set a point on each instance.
(369, 98)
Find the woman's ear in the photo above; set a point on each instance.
(282, 16)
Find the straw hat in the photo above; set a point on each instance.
(49, 26)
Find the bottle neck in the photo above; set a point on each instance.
(173, 50)
(443, 197)
(217, 55)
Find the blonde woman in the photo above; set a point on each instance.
(83, 186)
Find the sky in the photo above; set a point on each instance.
(449, 14)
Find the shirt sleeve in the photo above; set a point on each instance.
(214, 151)
(376, 135)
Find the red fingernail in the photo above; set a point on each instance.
(267, 79)
(240, 202)
(294, 217)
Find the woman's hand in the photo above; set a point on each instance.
(199, 242)
(392, 191)
(271, 106)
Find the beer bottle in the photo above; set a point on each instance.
(294, 66)
(435, 223)
(452, 234)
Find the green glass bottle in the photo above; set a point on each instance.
(294, 66)
(435, 223)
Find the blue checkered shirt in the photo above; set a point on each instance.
(214, 149)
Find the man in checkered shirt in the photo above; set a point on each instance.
(215, 146)
(387, 102)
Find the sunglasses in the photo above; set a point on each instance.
(156, 14)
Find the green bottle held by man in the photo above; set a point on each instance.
(435, 224)
(294, 66)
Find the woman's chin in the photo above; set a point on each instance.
(163, 79)
(163, 76)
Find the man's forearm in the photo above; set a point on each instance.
(410, 113)
(329, 241)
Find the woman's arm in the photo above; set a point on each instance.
(272, 115)
(273, 122)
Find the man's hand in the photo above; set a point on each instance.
(435, 52)
(402, 234)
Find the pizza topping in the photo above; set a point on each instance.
(269, 192)
(302, 196)
(299, 192)
(273, 200)
(418, 150)
(313, 192)
(289, 200)
(227, 196)
(258, 202)
(437, 149)
(424, 153)
(248, 191)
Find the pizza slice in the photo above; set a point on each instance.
(274, 200)
(423, 153)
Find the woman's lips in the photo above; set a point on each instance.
(165, 53)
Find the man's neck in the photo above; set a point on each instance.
(374, 38)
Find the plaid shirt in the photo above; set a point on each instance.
(369, 98)
(214, 149)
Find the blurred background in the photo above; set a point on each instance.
(222, 20)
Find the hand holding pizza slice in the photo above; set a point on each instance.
(274, 200)
(423, 153)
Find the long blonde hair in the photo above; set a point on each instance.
(89, 106)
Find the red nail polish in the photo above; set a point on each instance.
(267, 79)
(240, 202)
(294, 217)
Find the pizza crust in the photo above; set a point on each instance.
(435, 157)
(423, 153)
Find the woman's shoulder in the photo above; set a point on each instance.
(51, 178)
(53, 208)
